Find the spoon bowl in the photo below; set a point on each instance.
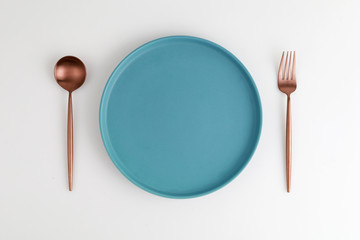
(70, 73)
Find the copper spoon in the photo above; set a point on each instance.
(70, 74)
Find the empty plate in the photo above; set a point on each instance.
(180, 117)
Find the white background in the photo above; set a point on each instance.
(325, 198)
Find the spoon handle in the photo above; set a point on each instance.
(70, 143)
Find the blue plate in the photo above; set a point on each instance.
(180, 117)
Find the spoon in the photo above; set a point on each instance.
(70, 74)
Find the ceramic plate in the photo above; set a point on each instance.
(180, 117)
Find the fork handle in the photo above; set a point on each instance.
(288, 144)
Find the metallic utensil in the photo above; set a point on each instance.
(287, 85)
(70, 74)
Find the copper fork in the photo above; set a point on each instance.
(287, 85)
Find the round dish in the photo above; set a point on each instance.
(180, 117)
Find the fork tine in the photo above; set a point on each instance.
(281, 68)
(289, 76)
(294, 68)
(286, 66)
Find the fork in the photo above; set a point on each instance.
(287, 85)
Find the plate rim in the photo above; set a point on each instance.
(103, 126)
